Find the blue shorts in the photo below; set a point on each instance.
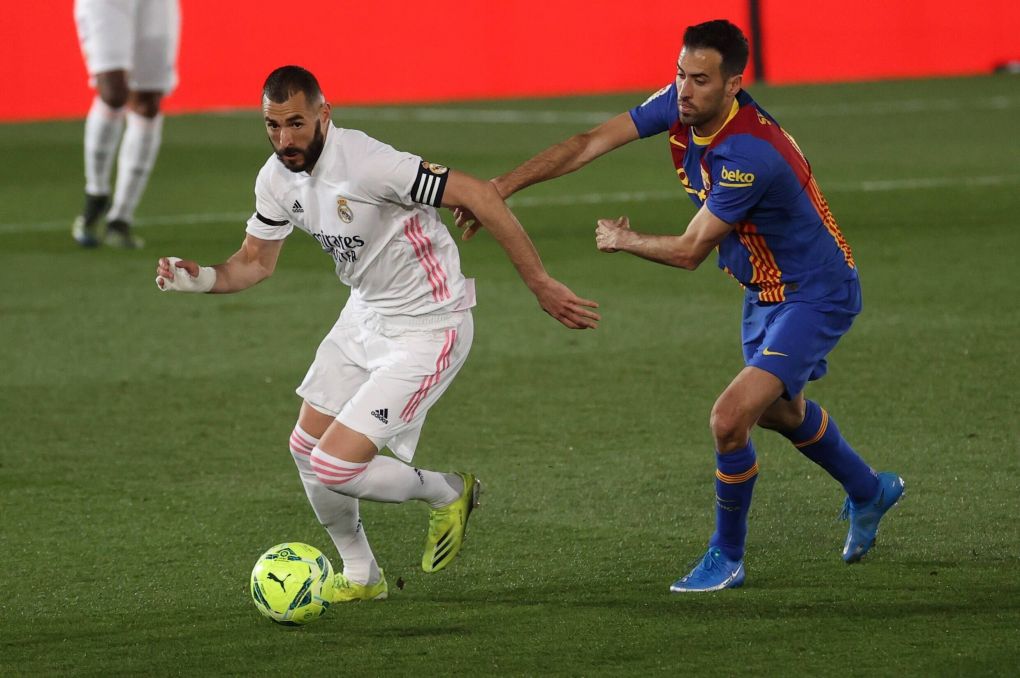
(791, 339)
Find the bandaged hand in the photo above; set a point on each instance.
(174, 274)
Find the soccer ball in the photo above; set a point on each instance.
(292, 584)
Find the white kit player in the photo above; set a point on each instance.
(130, 49)
(406, 329)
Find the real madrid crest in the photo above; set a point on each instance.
(434, 168)
(343, 211)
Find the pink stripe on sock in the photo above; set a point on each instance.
(329, 470)
(303, 437)
(328, 462)
(300, 446)
(334, 479)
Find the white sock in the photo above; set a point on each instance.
(134, 163)
(385, 479)
(103, 126)
(338, 513)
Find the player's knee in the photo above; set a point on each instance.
(114, 98)
(112, 90)
(776, 423)
(783, 416)
(729, 429)
(146, 104)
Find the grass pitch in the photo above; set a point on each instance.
(144, 461)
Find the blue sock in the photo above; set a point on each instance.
(734, 480)
(818, 438)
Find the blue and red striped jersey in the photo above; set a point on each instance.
(785, 243)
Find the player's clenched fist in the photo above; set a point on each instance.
(609, 233)
(181, 275)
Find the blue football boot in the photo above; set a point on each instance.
(714, 573)
(864, 519)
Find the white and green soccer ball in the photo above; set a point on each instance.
(292, 583)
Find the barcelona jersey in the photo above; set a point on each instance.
(785, 244)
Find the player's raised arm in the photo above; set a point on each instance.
(565, 157)
(569, 155)
(250, 265)
(688, 250)
(481, 198)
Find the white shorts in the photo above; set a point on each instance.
(380, 375)
(137, 36)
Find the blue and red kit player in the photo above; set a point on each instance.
(759, 204)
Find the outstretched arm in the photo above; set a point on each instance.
(563, 158)
(250, 265)
(702, 236)
(569, 155)
(465, 191)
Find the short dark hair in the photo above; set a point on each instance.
(286, 81)
(723, 37)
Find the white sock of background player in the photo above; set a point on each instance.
(137, 157)
(103, 128)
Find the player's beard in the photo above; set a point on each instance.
(702, 115)
(310, 154)
(696, 118)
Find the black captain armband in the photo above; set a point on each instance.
(430, 183)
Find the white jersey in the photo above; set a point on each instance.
(372, 209)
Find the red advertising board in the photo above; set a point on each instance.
(388, 51)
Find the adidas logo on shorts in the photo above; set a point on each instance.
(296, 207)
(382, 415)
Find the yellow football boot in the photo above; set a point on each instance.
(346, 591)
(448, 524)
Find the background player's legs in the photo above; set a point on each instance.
(103, 127)
(138, 151)
(348, 462)
(152, 55)
(812, 431)
(338, 513)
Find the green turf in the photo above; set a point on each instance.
(144, 464)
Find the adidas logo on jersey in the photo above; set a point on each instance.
(296, 207)
(382, 415)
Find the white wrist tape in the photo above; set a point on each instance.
(184, 282)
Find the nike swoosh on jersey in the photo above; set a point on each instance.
(676, 142)
(766, 351)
